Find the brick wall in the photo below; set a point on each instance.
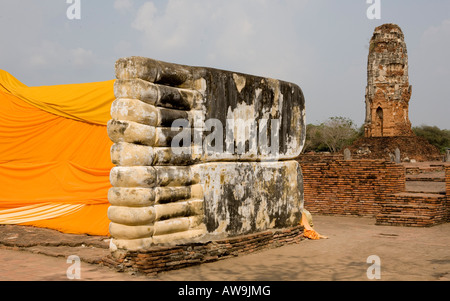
(447, 180)
(413, 209)
(447, 185)
(352, 187)
(319, 157)
(164, 258)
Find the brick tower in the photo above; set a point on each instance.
(388, 91)
(387, 126)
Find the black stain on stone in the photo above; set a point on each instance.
(168, 116)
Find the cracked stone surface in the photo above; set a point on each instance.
(90, 249)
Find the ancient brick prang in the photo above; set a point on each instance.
(387, 126)
(388, 91)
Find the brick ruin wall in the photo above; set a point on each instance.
(413, 210)
(350, 187)
(447, 189)
(420, 209)
(369, 188)
(164, 258)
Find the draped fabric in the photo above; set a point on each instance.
(88, 102)
(55, 155)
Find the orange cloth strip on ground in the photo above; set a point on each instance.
(308, 231)
(54, 166)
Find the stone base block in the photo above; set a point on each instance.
(248, 197)
(163, 258)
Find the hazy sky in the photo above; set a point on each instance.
(321, 45)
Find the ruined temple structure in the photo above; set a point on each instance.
(202, 154)
(388, 93)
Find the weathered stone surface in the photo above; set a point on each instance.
(202, 151)
(157, 95)
(347, 154)
(247, 197)
(177, 209)
(132, 216)
(388, 91)
(144, 197)
(120, 231)
(136, 133)
(225, 96)
(397, 155)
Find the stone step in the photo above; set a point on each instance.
(425, 187)
(413, 209)
(398, 207)
(436, 177)
(442, 193)
(405, 220)
(403, 216)
(424, 167)
(419, 195)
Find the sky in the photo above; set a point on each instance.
(320, 45)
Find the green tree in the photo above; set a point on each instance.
(331, 135)
(314, 139)
(434, 135)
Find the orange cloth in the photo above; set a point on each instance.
(88, 102)
(51, 159)
(309, 232)
(91, 219)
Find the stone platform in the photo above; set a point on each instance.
(424, 202)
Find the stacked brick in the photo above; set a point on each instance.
(447, 181)
(319, 157)
(350, 187)
(447, 189)
(417, 209)
(413, 210)
(163, 258)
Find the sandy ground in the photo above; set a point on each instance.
(405, 253)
